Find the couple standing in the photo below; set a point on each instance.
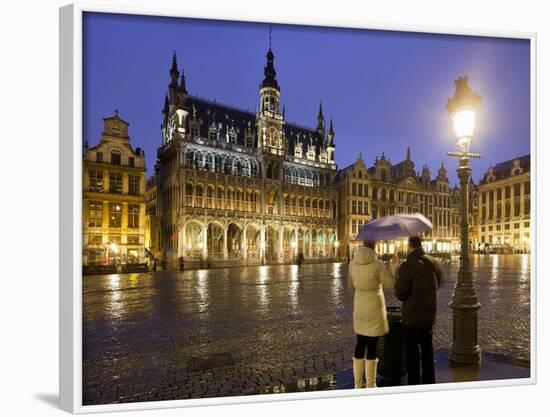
(416, 282)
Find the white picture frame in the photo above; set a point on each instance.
(70, 153)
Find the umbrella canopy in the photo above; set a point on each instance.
(394, 227)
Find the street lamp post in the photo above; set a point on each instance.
(465, 304)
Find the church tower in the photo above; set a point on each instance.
(270, 120)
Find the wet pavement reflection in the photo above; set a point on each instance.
(250, 330)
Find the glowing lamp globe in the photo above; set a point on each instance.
(462, 107)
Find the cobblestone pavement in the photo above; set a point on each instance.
(207, 333)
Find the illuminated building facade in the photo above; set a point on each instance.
(235, 187)
(384, 189)
(504, 207)
(113, 205)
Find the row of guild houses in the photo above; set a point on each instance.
(234, 187)
(383, 189)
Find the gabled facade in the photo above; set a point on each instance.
(113, 210)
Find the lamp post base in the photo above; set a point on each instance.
(465, 356)
(465, 348)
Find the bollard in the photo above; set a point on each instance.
(391, 351)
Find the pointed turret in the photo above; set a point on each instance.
(269, 72)
(408, 153)
(320, 117)
(426, 176)
(173, 86)
(183, 87)
(331, 147)
(442, 172)
(174, 73)
(166, 107)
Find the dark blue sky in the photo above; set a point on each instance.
(385, 90)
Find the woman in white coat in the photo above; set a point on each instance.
(368, 275)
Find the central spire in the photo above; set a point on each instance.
(269, 69)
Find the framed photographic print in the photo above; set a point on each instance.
(271, 209)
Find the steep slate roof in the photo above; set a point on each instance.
(397, 171)
(341, 174)
(300, 134)
(231, 117)
(504, 169)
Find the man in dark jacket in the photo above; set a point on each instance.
(419, 278)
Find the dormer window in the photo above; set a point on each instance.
(298, 150)
(232, 136)
(194, 132)
(323, 156)
(311, 153)
(115, 157)
(212, 133)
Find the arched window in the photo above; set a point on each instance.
(272, 138)
(246, 168)
(189, 157)
(218, 163)
(188, 189)
(227, 167)
(383, 194)
(199, 190)
(199, 160)
(209, 162)
(230, 196)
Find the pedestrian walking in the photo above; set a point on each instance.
(181, 263)
(368, 276)
(300, 259)
(418, 282)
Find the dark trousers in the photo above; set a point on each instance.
(419, 349)
(367, 343)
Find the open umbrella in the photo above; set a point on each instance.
(394, 227)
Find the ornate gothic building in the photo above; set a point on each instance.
(235, 187)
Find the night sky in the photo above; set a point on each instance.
(385, 90)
